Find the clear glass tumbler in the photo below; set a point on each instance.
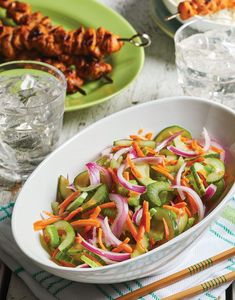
(32, 98)
(205, 59)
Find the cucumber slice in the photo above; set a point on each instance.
(174, 169)
(55, 207)
(212, 154)
(144, 170)
(170, 218)
(218, 169)
(103, 161)
(200, 187)
(82, 179)
(69, 234)
(62, 189)
(154, 190)
(127, 143)
(165, 133)
(90, 262)
(77, 202)
(183, 221)
(220, 189)
(52, 235)
(141, 250)
(190, 223)
(157, 230)
(100, 196)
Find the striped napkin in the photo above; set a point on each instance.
(219, 236)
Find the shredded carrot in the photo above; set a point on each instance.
(140, 234)
(202, 177)
(180, 205)
(73, 214)
(164, 172)
(100, 241)
(116, 148)
(86, 222)
(166, 229)
(195, 146)
(41, 224)
(188, 212)
(113, 174)
(131, 227)
(94, 215)
(136, 137)
(151, 241)
(146, 216)
(149, 136)
(126, 175)
(174, 209)
(66, 264)
(78, 239)
(184, 139)
(137, 149)
(191, 162)
(140, 131)
(171, 162)
(213, 148)
(134, 171)
(150, 150)
(67, 201)
(55, 252)
(123, 247)
(191, 201)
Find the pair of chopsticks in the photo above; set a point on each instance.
(211, 284)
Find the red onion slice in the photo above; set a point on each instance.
(196, 198)
(178, 180)
(121, 152)
(82, 266)
(207, 138)
(106, 174)
(126, 184)
(180, 152)
(167, 141)
(148, 159)
(108, 254)
(210, 191)
(132, 153)
(122, 209)
(93, 173)
(110, 238)
(137, 216)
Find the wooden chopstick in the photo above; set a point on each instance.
(179, 275)
(203, 287)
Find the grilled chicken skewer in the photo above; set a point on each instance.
(190, 8)
(97, 43)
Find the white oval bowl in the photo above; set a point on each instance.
(40, 189)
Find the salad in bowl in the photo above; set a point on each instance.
(140, 193)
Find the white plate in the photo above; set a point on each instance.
(40, 189)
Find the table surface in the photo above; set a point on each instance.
(158, 79)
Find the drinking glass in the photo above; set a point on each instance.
(32, 98)
(205, 59)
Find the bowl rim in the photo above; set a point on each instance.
(229, 194)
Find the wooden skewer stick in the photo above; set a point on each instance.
(171, 17)
(179, 275)
(203, 287)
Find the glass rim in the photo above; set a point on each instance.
(60, 77)
(200, 19)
